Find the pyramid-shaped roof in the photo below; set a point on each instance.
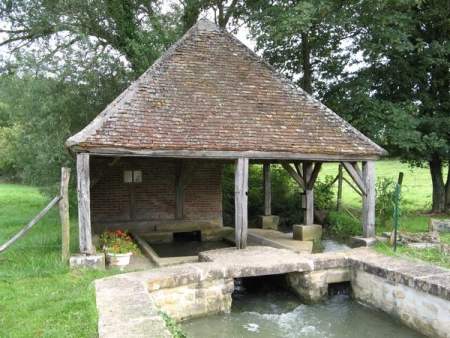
(211, 96)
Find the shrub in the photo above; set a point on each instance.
(323, 193)
(385, 201)
(343, 225)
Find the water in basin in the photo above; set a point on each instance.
(189, 248)
(273, 312)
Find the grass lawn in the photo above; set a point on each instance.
(41, 297)
(416, 187)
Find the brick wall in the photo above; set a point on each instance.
(155, 196)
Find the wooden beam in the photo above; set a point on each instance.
(184, 176)
(179, 191)
(133, 205)
(31, 224)
(354, 172)
(204, 154)
(188, 174)
(84, 204)
(267, 191)
(368, 173)
(313, 178)
(241, 202)
(293, 173)
(102, 171)
(64, 214)
(308, 215)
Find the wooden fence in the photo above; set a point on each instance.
(63, 200)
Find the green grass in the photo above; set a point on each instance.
(416, 187)
(39, 295)
(430, 256)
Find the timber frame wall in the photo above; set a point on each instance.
(185, 178)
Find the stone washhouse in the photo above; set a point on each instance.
(153, 157)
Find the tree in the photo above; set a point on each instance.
(68, 60)
(303, 39)
(401, 94)
(135, 30)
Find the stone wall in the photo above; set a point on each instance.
(423, 312)
(202, 298)
(417, 294)
(312, 286)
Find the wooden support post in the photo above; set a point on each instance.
(179, 191)
(308, 216)
(241, 202)
(368, 175)
(354, 172)
(339, 193)
(133, 211)
(267, 191)
(64, 214)
(84, 204)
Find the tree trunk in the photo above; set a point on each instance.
(438, 186)
(447, 188)
(306, 81)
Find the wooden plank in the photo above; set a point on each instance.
(30, 225)
(315, 173)
(64, 214)
(188, 174)
(241, 202)
(84, 204)
(355, 189)
(267, 191)
(354, 172)
(185, 173)
(293, 173)
(368, 172)
(179, 191)
(339, 194)
(308, 215)
(102, 171)
(133, 207)
(225, 154)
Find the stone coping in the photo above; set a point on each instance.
(126, 309)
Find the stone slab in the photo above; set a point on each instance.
(88, 262)
(268, 222)
(439, 225)
(279, 240)
(137, 315)
(363, 242)
(307, 232)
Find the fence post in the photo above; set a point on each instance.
(64, 213)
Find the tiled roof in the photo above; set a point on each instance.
(210, 93)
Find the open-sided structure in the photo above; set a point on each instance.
(154, 155)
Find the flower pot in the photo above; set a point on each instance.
(118, 260)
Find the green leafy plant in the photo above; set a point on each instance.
(173, 327)
(117, 242)
(385, 201)
(343, 225)
(323, 193)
